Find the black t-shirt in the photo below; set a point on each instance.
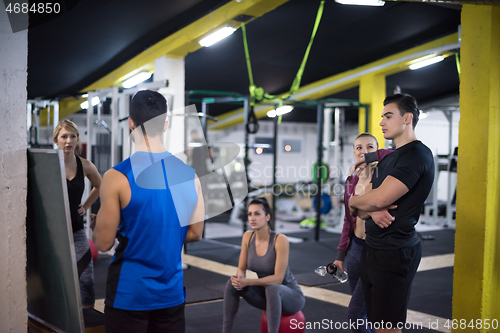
(413, 165)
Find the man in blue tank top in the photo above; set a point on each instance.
(152, 202)
(400, 184)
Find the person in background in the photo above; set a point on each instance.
(67, 138)
(266, 253)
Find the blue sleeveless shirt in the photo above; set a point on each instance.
(146, 270)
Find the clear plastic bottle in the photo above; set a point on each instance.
(333, 271)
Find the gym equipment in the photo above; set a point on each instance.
(93, 250)
(326, 203)
(449, 166)
(310, 223)
(325, 172)
(298, 325)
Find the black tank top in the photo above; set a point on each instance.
(75, 193)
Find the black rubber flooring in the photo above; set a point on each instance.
(431, 293)
(320, 317)
(203, 285)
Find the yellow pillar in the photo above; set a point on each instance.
(372, 92)
(476, 282)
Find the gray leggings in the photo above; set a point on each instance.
(274, 298)
(86, 279)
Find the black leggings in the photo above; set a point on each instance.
(274, 298)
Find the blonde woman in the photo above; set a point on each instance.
(67, 138)
(353, 233)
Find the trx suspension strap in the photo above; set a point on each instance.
(257, 93)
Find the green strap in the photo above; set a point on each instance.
(298, 77)
(247, 54)
(257, 93)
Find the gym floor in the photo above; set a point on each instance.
(212, 260)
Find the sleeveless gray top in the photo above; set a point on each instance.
(264, 266)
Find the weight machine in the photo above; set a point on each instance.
(449, 165)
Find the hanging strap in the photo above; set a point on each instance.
(298, 77)
(252, 120)
(257, 93)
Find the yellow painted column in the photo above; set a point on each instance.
(476, 282)
(372, 92)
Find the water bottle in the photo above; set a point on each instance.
(333, 271)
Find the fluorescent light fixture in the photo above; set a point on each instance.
(195, 144)
(136, 79)
(216, 36)
(422, 115)
(280, 111)
(361, 2)
(256, 145)
(85, 105)
(85, 95)
(271, 113)
(425, 62)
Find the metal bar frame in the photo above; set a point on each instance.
(320, 121)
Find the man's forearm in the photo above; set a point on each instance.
(362, 214)
(364, 203)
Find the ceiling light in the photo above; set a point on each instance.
(425, 62)
(85, 105)
(136, 79)
(422, 115)
(280, 111)
(362, 2)
(217, 35)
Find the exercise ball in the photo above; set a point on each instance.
(295, 323)
(326, 203)
(93, 250)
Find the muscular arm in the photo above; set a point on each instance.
(380, 216)
(385, 195)
(108, 217)
(197, 222)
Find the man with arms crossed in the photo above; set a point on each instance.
(155, 203)
(400, 184)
